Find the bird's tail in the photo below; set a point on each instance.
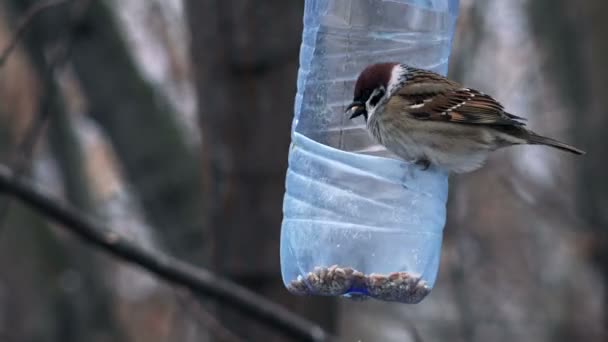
(536, 139)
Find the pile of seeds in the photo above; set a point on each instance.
(335, 281)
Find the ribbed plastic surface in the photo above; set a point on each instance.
(356, 224)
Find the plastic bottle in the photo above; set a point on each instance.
(358, 221)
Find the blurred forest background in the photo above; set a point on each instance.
(170, 119)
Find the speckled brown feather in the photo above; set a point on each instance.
(433, 97)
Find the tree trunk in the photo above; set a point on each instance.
(574, 38)
(145, 133)
(245, 55)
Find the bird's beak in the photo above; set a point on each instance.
(356, 109)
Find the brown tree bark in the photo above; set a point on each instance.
(245, 56)
(574, 40)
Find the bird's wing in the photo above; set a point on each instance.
(430, 96)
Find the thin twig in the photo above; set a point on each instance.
(31, 12)
(198, 280)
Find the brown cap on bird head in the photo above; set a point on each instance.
(372, 77)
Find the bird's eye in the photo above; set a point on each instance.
(376, 96)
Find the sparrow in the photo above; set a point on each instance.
(428, 119)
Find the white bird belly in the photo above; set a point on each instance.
(454, 147)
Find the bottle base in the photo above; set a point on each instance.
(400, 287)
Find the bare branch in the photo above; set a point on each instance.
(198, 280)
(31, 12)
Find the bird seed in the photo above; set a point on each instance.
(336, 281)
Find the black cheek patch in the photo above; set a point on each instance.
(376, 98)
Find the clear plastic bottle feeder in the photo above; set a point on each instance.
(359, 222)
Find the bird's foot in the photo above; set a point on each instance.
(423, 163)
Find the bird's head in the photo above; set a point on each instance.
(373, 88)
